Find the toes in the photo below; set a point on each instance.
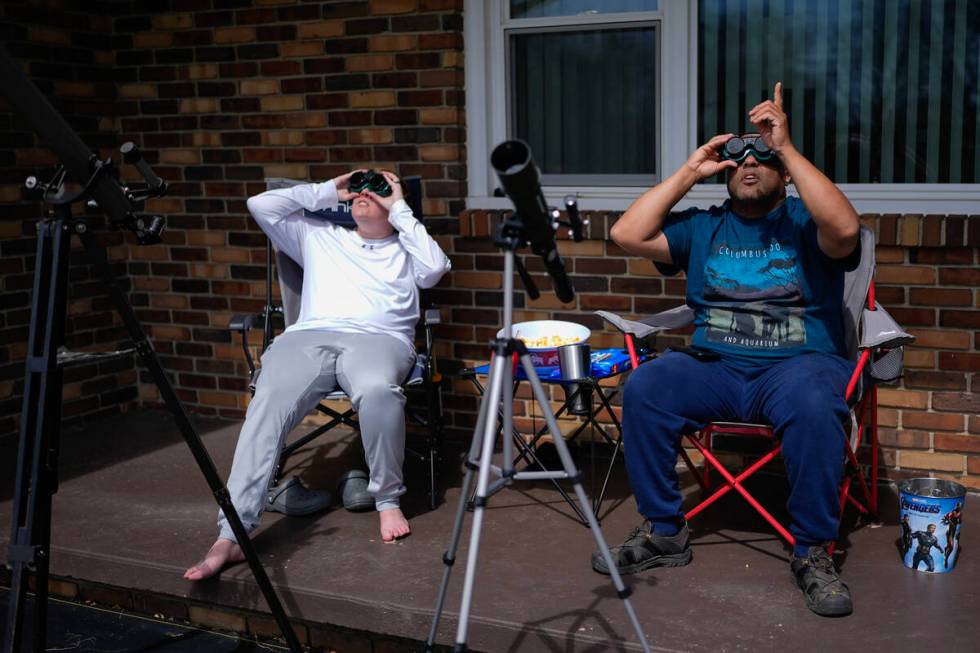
(200, 571)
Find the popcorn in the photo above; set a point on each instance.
(545, 342)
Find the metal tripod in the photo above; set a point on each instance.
(37, 455)
(500, 389)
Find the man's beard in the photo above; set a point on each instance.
(755, 199)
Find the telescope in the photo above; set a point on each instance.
(521, 181)
(78, 162)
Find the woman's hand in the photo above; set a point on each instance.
(396, 191)
(343, 185)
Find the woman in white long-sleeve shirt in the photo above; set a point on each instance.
(355, 330)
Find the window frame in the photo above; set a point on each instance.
(488, 108)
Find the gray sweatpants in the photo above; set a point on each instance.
(298, 369)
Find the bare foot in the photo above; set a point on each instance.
(393, 525)
(221, 553)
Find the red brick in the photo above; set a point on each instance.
(887, 230)
(604, 302)
(913, 316)
(932, 228)
(960, 402)
(905, 274)
(959, 361)
(639, 286)
(959, 276)
(378, 7)
(960, 319)
(932, 421)
(940, 339)
(935, 380)
(938, 461)
(904, 438)
(964, 443)
(599, 266)
(890, 295)
(940, 296)
(947, 255)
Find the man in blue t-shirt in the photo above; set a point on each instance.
(765, 277)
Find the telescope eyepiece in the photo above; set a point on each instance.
(510, 157)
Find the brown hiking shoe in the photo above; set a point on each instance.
(826, 594)
(644, 549)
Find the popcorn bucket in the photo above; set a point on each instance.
(543, 338)
(931, 516)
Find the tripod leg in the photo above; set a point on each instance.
(449, 558)
(483, 480)
(566, 458)
(36, 480)
(191, 437)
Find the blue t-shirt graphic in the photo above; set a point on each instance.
(761, 289)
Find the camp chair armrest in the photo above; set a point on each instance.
(674, 318)
(243, 322)
(432, 317)
(879, 330)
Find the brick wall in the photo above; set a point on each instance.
(220, 95)
(68, 55)
(220, 98)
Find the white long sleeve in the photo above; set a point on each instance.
(429, 262)
(351, 284)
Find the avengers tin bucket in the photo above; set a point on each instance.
(930, 517)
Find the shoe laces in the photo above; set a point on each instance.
(821, 562)
(824, 572)
(640, 532)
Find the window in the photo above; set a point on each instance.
(613, 95)
(879, 91)
(580, 81)
(584, 97)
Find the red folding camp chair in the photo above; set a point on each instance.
(874, 341)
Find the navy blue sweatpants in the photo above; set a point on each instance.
(802, 397)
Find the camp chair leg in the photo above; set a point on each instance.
(432, 478)
(872, 398)
(735, 483)
(698, 476)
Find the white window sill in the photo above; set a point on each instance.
(916, 199)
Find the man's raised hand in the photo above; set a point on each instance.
(770, 119)
(706, 161)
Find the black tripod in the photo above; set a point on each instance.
(498, 402)
(37, 454)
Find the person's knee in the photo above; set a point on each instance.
(814, 404)
(642, 384)
(666, 384)
(379, 395)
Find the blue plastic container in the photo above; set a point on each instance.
(930, 518)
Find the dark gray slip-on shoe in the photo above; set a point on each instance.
(291, 498)
(352, 488)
